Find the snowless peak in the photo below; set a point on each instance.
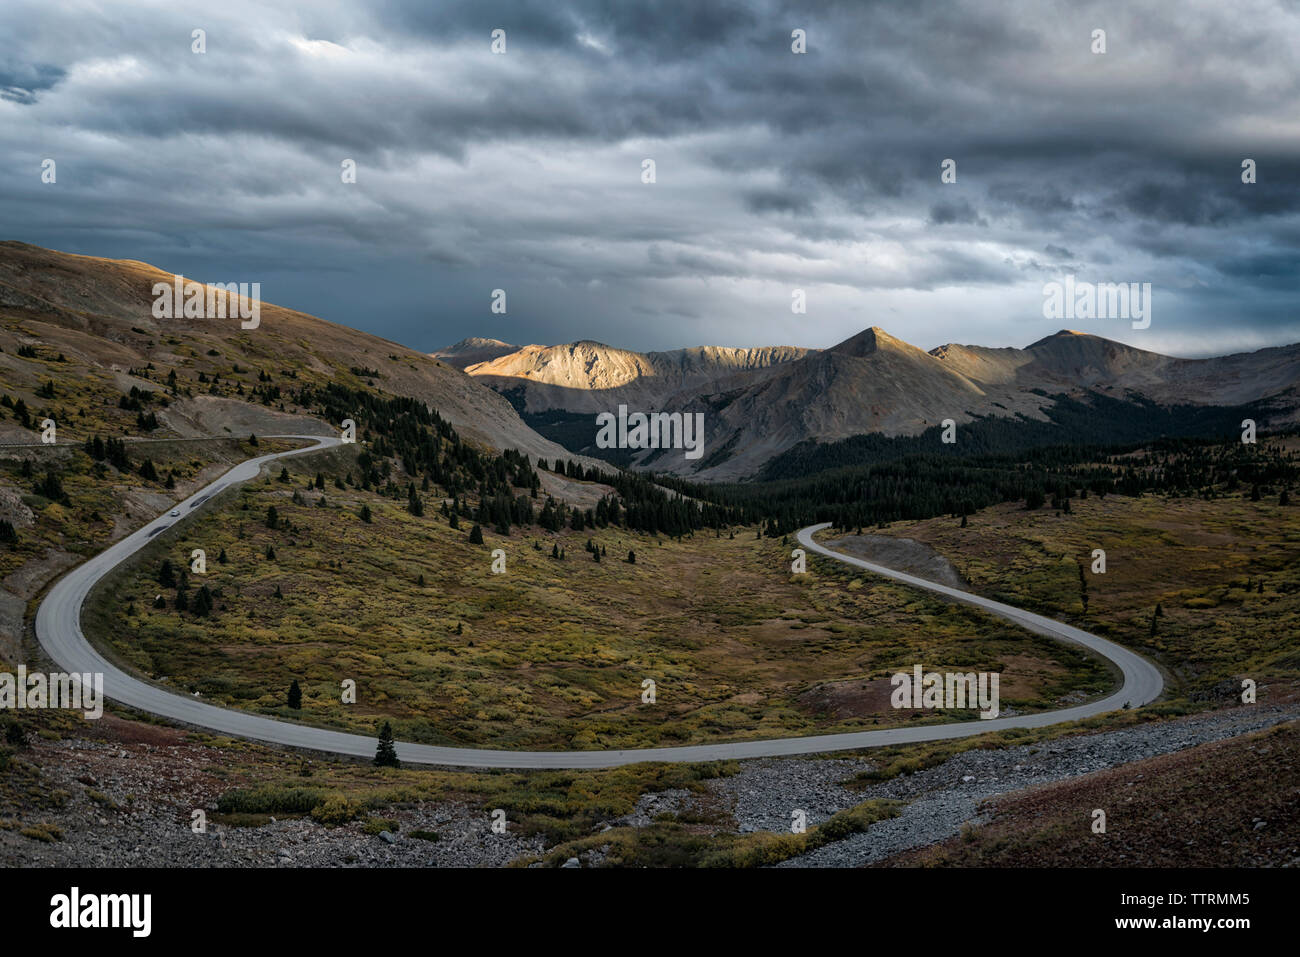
(866, 342)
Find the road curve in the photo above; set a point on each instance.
(58, 629)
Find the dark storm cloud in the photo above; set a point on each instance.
(944, 214)
(774, 170)
(23, 82)
(778, 201)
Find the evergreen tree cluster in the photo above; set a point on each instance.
(925, 486)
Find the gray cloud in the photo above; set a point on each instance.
(821, 171)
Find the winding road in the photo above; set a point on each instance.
(58, 629)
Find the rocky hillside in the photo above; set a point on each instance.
(97, 314)
(760, 402)
(1075, 360)
(592, 377)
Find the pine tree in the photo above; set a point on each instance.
(272, 517)
(202, 604)
(631, 557)
(295, 696)
(476, 536)
(386, 753)
(365, 514)
(50, 487)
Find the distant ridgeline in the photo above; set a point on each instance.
(1102, 421)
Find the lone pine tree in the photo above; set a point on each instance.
(386, 753)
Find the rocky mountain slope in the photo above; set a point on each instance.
(1076, 360)
(98, 315)
(588, 376)
(760, 402)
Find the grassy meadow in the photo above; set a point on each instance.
(552, 653)
(1224, 571)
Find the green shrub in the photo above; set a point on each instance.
(271, 799)
(337, 809)
(45, 831)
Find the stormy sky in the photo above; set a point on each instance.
(775, 171)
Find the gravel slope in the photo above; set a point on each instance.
(944, 798)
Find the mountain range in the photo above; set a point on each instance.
(759, 403)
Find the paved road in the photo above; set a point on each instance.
(58, 628)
